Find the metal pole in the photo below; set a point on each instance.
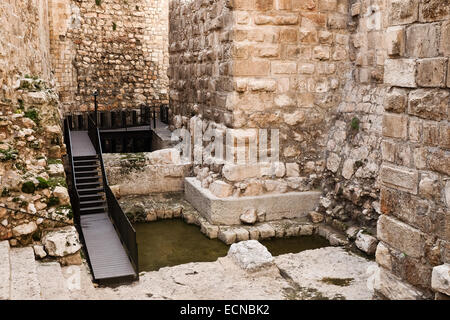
(96, 108)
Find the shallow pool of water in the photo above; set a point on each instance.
(168, 243)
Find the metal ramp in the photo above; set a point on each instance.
(109, 238)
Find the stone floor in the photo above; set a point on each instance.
(326, 273)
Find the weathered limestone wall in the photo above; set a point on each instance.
(414, 228)
(350, 183)
(146, 173)
(34, 202)
(24, 43)
(119, 48)
(290, 60)
(260, 64)
(200, 59)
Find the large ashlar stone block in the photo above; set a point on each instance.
(439, 161)
(395, 41)
(445, 38)
(429, 104)
(401, 236)
(434, 10)
(251, 68)
(284, 67)
(431, 72)
(402, 178)
(298, 5)
(393, 287)
(422, 40)
(396, 100)
(403, 11)
(440, 279)
(395, 126)
(400, 72)
(227, 211)
(448, 75)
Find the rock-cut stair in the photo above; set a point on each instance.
(24, 278)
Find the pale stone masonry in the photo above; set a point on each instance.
(414, 230)
(119, 48)
(360, 90)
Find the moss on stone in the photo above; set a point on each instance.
(355, 124)
(5, 192)
(59, 181)
(28, 187)
(341, 282)
(10, 154)
(43, 184)
(33, 115)
(54, 161)
(52, 201)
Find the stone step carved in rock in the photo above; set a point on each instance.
(53, 285)
(5, 271)
(24, 278)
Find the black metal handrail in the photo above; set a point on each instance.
(124, 227)
(73, 190)
(143, 115)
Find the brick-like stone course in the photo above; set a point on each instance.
(119, 48)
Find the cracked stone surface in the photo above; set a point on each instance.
(294, 276)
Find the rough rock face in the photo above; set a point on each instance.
(440, 279)
(33, 189)
(250, 255)
(62, 242)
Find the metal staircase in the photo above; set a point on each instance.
(108, 236)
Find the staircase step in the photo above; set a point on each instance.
(97, 209)
(91, 191)
(92, 203)
(86, 174)
(91, 197)
(84, 158)
(86, 185)
(24, 278)
(5, 271)
(83, 162)
(87, 180)
(85, 168)
(53, 284)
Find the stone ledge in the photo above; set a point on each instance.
(226, 211)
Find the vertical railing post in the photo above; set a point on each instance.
(96, 108)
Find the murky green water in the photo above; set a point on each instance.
(172, 242)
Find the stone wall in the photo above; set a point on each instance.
(414, 228)
(260, 64)
(200, 59)
(24, 44)
(146, 173)
(34, 202)
(119, 48)
(350, 182)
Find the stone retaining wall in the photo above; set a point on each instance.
(145, 173)
(119, 48)
(415, 226)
